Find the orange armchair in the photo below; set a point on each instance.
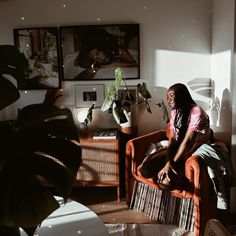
(201, 197)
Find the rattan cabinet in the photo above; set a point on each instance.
(100, 165)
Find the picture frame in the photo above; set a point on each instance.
(88, 94)
(41, 48)
(92, 52)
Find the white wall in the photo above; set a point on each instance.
(175, 41)
(222, 69)
(221, 63)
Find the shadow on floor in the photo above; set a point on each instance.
(103, 201)
(94, 195)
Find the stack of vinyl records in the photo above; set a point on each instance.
(162, 206)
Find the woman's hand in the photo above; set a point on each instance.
(163, 173)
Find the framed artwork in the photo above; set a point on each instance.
(92, 52)
(87, 95)
(40, 47)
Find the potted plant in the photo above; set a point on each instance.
(40, 144)
(122, 105)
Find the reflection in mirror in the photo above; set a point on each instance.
(40, 46)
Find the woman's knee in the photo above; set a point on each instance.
(147, 171)
(152, 164)
(144, 173)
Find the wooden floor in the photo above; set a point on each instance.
(102, 200)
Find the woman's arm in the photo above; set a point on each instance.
(171, 152)
(186, 145)
(175, 155)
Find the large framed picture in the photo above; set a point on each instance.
(40, 47)
(87, 95)
(92, 52)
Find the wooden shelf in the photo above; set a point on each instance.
(101, 163)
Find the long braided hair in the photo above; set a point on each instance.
(183, 105)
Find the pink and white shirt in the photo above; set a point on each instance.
(198, 121)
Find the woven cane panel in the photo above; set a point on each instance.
(100, 162)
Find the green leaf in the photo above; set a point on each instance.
(142, 89)
(11, 57)
(118, 78)
(116, 112)
(25, 202)
(58, 161)
(8, 93)
(14, 63)
(148, 107)
(38, 144)
(89, 116)
(107, 103)
(48, 120)
(112, 91)
(9, 231)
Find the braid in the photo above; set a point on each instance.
(184, 104)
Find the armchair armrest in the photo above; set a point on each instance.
(203, 192)
(136, 148)
(192, 172)
(135, 153)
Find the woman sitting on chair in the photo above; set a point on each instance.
(188, 129)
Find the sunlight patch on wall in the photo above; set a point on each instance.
(221, 75)
(207, 77)
(175, 66)
(191, 69)
(221, 71)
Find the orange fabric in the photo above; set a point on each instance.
(168, 130)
